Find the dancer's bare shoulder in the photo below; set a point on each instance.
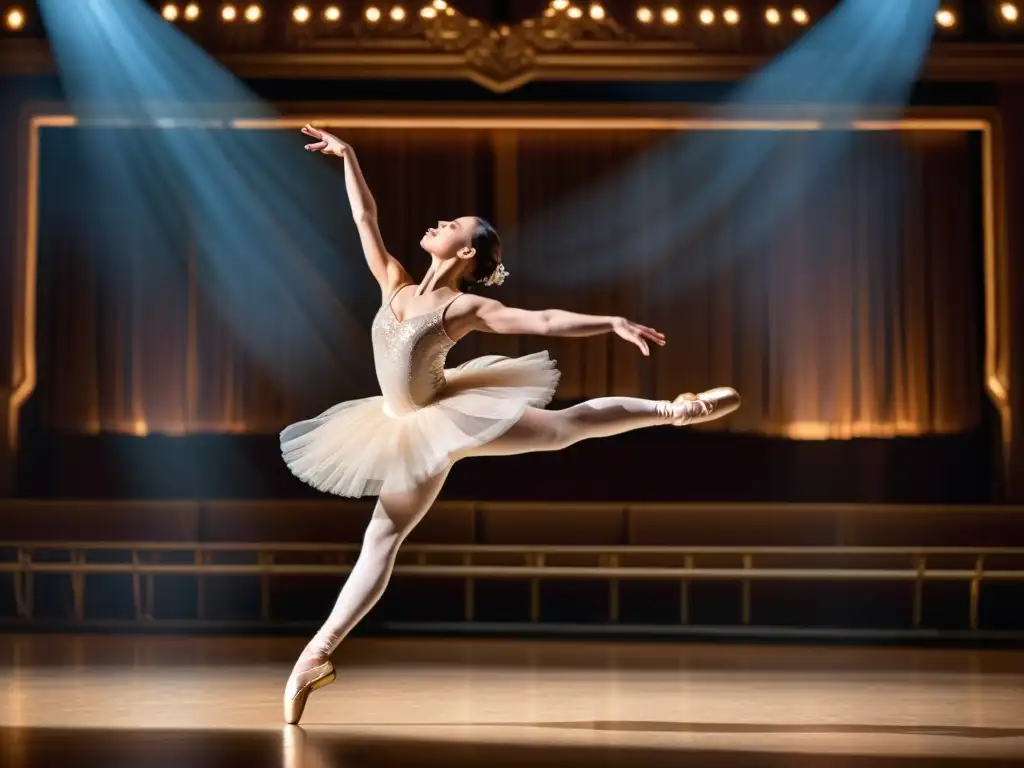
(479, 313)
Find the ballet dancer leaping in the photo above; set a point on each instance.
(401, 444)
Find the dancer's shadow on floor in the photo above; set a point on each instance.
(669, 726)
(655, 726)
(333, 750)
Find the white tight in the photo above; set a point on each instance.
(396, 514)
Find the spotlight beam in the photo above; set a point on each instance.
(260, 241)
(858, 55)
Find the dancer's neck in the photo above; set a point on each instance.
(443, 274)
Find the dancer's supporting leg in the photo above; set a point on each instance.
(542, 430)
(394, 517)
(397, 514)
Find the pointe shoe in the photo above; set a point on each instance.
(304, 683)
(710, 405)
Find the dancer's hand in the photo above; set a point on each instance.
(326, 143)
(638, 334)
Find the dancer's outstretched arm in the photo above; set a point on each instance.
(476, 313)
(386, 269)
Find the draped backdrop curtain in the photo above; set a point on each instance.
(851, 308)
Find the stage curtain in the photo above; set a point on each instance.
(841, 300)
(134, 334)
(851, 310)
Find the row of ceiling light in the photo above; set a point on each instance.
(15, 17)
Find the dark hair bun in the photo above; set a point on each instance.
(487, 244)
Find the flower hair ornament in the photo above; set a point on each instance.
(497, 277)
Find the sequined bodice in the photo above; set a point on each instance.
(409, 357)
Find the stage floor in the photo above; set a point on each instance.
(216, 702)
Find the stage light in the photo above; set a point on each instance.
(731, 16)
(253, 13)
(644, 15)
(191, 12)
(559, 5)
(945, 18)
(706, 17)
(773, 17)
(228, 13)
(372, 14)
(398, 14)
(1009, 12)
(332, 14)
(301, 14)
(440, 5)
(574, 12)
(670, 15)
(428, 12)
(597, 11)
(14, 19)
(800, 16)
(170, 12)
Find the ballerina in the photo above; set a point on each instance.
(401, 444)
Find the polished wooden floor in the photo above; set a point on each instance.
(118, 701)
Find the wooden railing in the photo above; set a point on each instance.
(918, 566)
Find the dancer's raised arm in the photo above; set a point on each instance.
(476, 313)
(386, 269)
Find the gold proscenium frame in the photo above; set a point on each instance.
(986, 122)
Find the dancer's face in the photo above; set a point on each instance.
(450, 239)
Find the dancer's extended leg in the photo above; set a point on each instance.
(542, 430)
(396, 514)
(394, 517)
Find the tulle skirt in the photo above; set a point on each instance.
(357, 449)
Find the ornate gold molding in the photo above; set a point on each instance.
(505, 59)
(501, 58)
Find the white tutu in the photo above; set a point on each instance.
(357, 449)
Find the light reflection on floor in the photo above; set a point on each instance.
(216, 701)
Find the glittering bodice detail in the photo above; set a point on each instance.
(409, 357)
